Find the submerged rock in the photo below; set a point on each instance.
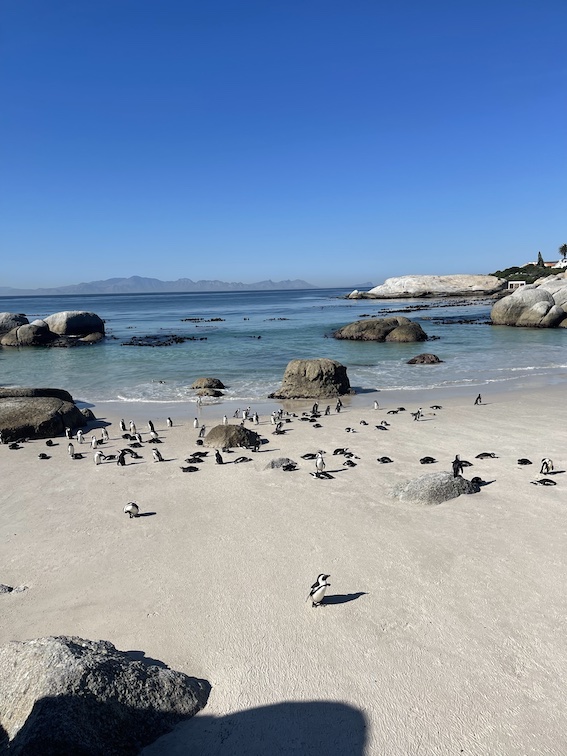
(425, 359)
(397, 328)
(212, 383)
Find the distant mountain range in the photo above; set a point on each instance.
(140, 285)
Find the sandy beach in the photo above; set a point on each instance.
(443, 631)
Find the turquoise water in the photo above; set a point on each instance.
(260, 332)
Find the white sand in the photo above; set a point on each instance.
(444, 630)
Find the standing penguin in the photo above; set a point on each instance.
(68, 433)
(70, 449)
(151, 426)
(94, 442)
(195, 423)
(169, 422)
(457, 466)
(154, 435)
(80, 436)
(132, 427)
(132, 509)
(318, 589)
(98, 457)
(319, 463)
(224, 420)
(121, 459)
(122, 425)
(202, 431)
(104, 435)
(218, 458)
(546, 466)
(157, 455)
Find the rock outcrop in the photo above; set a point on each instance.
(212, 383)
(434, 488)
(382, 329)
(313, 379)
(75, 323)
(539, 305)
(425, 359)
(69, 328)
(10, 320)
(37, 413)
(230, 436)
(66, 695)
(403, 287)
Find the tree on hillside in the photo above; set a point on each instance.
(563, 251)
(540, 260)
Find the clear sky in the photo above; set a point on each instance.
(338, 142)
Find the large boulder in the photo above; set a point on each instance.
(529, 306)
(31, 334)
(403, 287)
(313, 379)
(434, 488)
(63, 696)
(228, 436)
(25, 415)
(75, 323)
(212, 383)
(395, 328)
(10, 320)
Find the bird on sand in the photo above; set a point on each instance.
(132, 509)
(318, 590)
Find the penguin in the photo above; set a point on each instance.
(341, 451)
(218, 457)
(104, 435)
(363, 422)
(138, 438)
(436, 406)
(392, 412)
(157, 455)
(94, 442)
(98, 457)
(154, 436)
(151, 426)
(77, 456)
(544, 482)
(169, 422)
(457, 466)
(427, 460)
(384, 460)
(202, 431)
(80, 436)
(349, 463)
(546, 466)
(486, 455)
(376, 406)
(191, 468)
(68, 433)
(242, 459)
(122, 425)
(43, 455)
(132, 509)
(49, 442)
(382, 427)
(476, 481)
(319, 463)
(195, 423)
(132, 427)
(70, 449)
(15, 445)
(224, 420)
(318, 590)
(121, 458)
(524, 461)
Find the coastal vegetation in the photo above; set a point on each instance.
(528, 273)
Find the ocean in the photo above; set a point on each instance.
(246, 340)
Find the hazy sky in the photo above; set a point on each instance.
(338, 142)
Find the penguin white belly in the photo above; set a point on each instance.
(319, 594)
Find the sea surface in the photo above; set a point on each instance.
(246, 340)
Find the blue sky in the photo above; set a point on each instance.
(330, 141)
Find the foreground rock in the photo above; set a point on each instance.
(434, 488)
(65, 695)
(313, 379)
(433, 286)
(397, 328)
(37, 413)
(425, 359)
(228, 436)
(542, 305)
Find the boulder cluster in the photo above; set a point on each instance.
(542, 304)
(67, 328)
(396, 328)
(38, 413)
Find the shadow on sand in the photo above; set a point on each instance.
(311, 728)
